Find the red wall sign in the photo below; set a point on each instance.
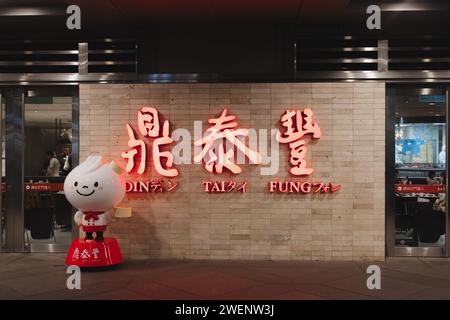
(224, 186)
(298, 124)
(302, 187)
(224, 130)
(148, 123)
(218, 152)
(153, 186)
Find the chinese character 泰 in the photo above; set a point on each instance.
(85, 254)
(214, 153)
(298, 123)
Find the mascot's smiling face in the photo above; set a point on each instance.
(94, 186)
(85, 188)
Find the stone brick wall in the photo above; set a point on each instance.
(189, 223)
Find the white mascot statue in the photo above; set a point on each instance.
(94, 188)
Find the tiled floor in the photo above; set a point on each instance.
(43, 276)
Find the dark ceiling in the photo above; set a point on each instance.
(27, 18)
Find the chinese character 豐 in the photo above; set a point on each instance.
(95, 253)
(223, 133)
(298, 123)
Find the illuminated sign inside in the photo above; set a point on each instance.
(420, 188)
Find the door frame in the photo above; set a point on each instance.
(14, 152)
(391, 249)
(14, 97)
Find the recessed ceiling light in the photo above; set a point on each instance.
(31, 11)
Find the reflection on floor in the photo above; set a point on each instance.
(43, 276)
(61, 236)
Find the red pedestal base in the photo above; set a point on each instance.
(92, 253)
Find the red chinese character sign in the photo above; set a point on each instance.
(218, 145)
(218, 148)
(297, 125)
(138, 149)
(222, 148)
(148, 123)
(136, 157)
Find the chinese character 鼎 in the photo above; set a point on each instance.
(148, 123)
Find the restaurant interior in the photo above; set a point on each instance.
(420, 167)
(48, 159)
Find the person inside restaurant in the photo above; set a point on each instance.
(53, 164)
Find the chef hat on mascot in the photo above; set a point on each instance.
(95, 185)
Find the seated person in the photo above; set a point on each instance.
(430, 178)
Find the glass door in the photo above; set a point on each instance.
(48, 158)
(40, 138)
(12, 173)
(416, 171)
